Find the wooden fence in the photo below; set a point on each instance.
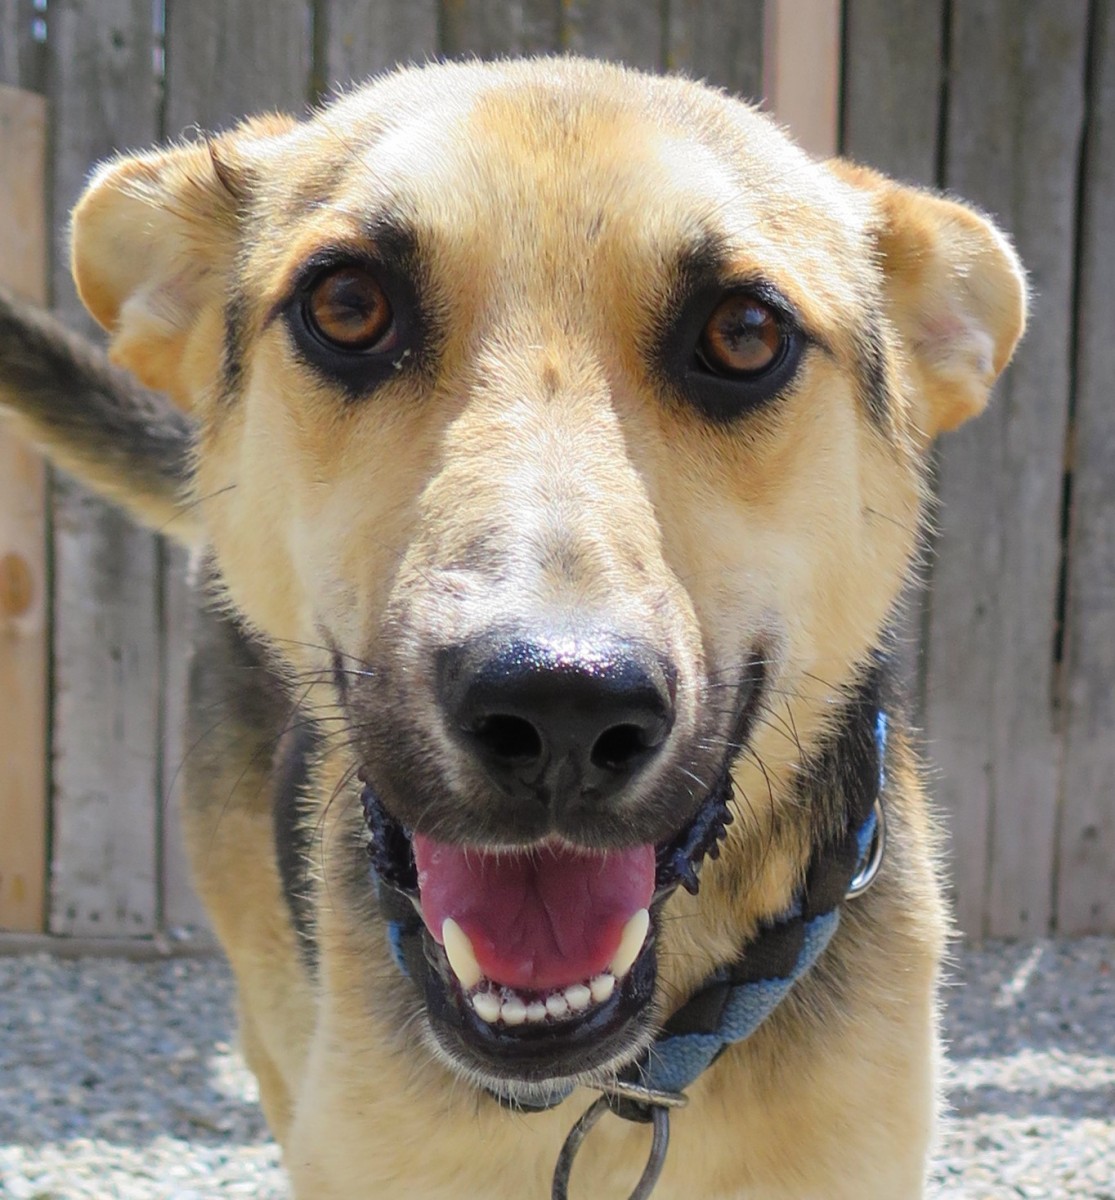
(1010, 103)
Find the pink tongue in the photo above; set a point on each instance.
(538, 919)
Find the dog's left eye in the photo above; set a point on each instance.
(743, 337)
(348, 309)
(734, 350)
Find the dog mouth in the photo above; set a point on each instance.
(538, 963)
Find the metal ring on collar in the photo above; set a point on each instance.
(660, 1143)
(640, 1094)
(866, 874)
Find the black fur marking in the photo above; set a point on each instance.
(292, 834)
(873, 373)
(232, 365)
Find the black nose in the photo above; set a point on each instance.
(564, 722)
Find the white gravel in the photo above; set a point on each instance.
(119, 1080)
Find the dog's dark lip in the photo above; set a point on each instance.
(606, 1033)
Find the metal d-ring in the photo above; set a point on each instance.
(865, 876)
(660, 1143)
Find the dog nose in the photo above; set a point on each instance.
(566, 723)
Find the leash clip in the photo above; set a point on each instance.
(632, 1103)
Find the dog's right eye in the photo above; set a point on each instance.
(348, 309)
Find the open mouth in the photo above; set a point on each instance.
(537, 962)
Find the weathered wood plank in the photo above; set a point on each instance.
(801, 70)
(106, 645)
(12, 25)
(1013, 134)
(24, 645)
(616, 29)
(891, 120)
(490, 28)
(226, 61)
(720, 41)
(21, 54)
(211, 83)
(1086, 874)
(363, 37)
(893, 84)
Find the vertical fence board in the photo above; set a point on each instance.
(363, 37)
(890, 120)
(1086, 875)
(801, 70)
(21, 55)
(12, 32)
(618, 30)
(489, 28)
(892, 85)
(1015, 114)
(720, 41)
(211, 82)
(24, 647)
(106, 645)
(232, 60)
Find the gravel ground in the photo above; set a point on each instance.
(119, 1080)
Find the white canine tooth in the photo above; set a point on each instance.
(634, 935)
(462, 958)
(536, 1011)
(556, 1005)
(487, 1006)
(601, 987)
(513, 1011)
(578, 997)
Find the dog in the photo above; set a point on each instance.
(552, 440)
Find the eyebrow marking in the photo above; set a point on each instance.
(384, 241)
(871, 369)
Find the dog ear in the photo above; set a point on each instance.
(956, 293)
(153, 240)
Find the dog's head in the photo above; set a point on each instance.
(562, 428)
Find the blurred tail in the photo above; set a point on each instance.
(131, 445)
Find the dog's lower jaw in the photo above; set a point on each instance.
(533, 1095)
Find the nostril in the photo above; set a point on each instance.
(509, 738)
(618, 748)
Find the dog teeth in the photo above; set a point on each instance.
(601, 988)
(634, 935)
(557, 1005)
(487, 1006)
(503, 1005)
(462, 958)
(508, 1007)
(578, 997)
(513, 1011)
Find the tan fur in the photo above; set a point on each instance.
(544, 467)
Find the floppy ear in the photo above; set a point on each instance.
(955, 291)
(153, 240)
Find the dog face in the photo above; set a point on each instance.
(561, 428)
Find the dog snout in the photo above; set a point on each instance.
(563, 722)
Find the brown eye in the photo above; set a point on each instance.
(742, 337)
(348, 309)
